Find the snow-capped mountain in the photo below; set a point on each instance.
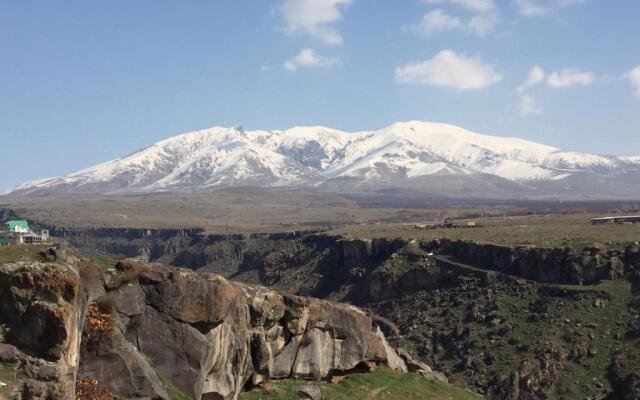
(404, 154)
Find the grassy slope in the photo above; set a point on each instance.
(19, 253)
(563, 323)
(7, 376)
(383, 384)
(105, 262)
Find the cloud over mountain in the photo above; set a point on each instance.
(449, 69)
(314, 17)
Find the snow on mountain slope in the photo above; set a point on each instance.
(313, 146)
(417, 145)
(191, 161)
(633, 159)
(303, 156)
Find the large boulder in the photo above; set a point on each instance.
(208, 336)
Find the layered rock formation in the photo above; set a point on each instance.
(150, 330)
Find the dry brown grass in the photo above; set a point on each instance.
(225, 211)
(91, 389)
(97, 322)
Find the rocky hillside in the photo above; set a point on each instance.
(142, 330)
(510, 322)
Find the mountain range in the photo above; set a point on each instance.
(415, 156)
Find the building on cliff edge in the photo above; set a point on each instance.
(19, 232)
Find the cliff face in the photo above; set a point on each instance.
(546, 265)
(42, 309)
(265, 258)
(146, 328)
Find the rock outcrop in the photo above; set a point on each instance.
(42, 309)
(145, 331)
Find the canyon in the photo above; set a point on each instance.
(518, 322)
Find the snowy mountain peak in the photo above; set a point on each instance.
(317, 155)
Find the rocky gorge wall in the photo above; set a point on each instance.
(339, 258)
(144, 328)
(589, 265)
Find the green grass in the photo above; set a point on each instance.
(598, 327)
(383, 384)
(609, 321)
(7, 376)
(16, 253)
(105, 262)
(175, 393)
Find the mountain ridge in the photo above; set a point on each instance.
(318, 156)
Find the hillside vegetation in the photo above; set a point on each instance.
(383, 384)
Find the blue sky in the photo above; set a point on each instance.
(87, 81)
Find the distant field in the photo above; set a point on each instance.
(234, 210)
(572, 230)
(249, 210)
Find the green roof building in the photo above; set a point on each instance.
(18, 226)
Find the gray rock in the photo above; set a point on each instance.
(42, 305)
(309, 392)
(413, 365)
(121, 367)
(9, 353)
(440, 376)
(203, 334)
(208, 336)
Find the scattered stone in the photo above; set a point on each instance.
(309, 392)
(440, 376)
(413, 365)
(9, 353)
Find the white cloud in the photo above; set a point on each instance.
(569, 77)
(483, 23)
(440, 21)
(308, 58)
(532, 8)
(535, 77)
(449, 69)
(314, 17)
(473, 5)
(634, 78)
(558, 79)
(528, 105)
